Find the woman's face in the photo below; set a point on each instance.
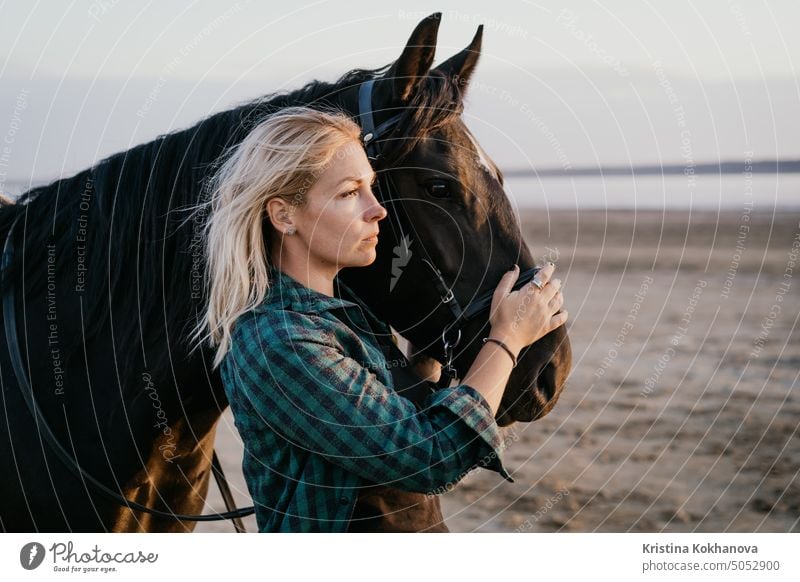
(338, 225)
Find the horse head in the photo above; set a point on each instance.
(449, 221)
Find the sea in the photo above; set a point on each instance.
(761, 192)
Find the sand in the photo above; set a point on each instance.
(681, 411)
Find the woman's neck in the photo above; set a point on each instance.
(317, 278)
(313, 280)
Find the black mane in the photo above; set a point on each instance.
(138, 241)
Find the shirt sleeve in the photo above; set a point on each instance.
(292, 370)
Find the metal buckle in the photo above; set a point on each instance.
(448, 351)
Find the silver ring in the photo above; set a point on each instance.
(537, 282)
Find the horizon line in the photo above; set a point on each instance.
(773, 166)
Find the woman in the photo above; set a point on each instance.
(308, 383)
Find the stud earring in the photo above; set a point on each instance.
(290, 230)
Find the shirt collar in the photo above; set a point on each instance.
(287, 292)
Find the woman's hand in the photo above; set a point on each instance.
(425, 367)
(522, 317)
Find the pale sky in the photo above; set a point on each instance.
(231, 40)
(588, 82)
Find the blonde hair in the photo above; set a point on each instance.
(282, 157)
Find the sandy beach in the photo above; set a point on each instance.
(681, 411)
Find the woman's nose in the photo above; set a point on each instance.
(380, 212)
(376, 210)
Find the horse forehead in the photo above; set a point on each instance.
(452, 143)
(483, 159)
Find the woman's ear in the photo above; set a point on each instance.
(278, 212)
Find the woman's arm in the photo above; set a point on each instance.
(291, 370)
(488, 374)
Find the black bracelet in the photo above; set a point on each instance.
(504, 346)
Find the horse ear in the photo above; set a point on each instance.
(461, 65)
(416, 59)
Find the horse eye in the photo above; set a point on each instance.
(438, 188)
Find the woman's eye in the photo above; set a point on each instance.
(438, 188)
(347, 194)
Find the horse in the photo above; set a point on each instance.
(108, 280)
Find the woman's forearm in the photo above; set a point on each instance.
(489, 373)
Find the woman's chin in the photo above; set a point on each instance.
(368, 257)
(362, 255)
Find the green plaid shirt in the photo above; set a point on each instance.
(313, 400)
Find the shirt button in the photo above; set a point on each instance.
(344, 500)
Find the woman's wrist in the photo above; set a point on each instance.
(490, 371)
(503, 346)
(508, 339)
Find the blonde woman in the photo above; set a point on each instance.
(309, 386)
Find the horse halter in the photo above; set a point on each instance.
(451, 334)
